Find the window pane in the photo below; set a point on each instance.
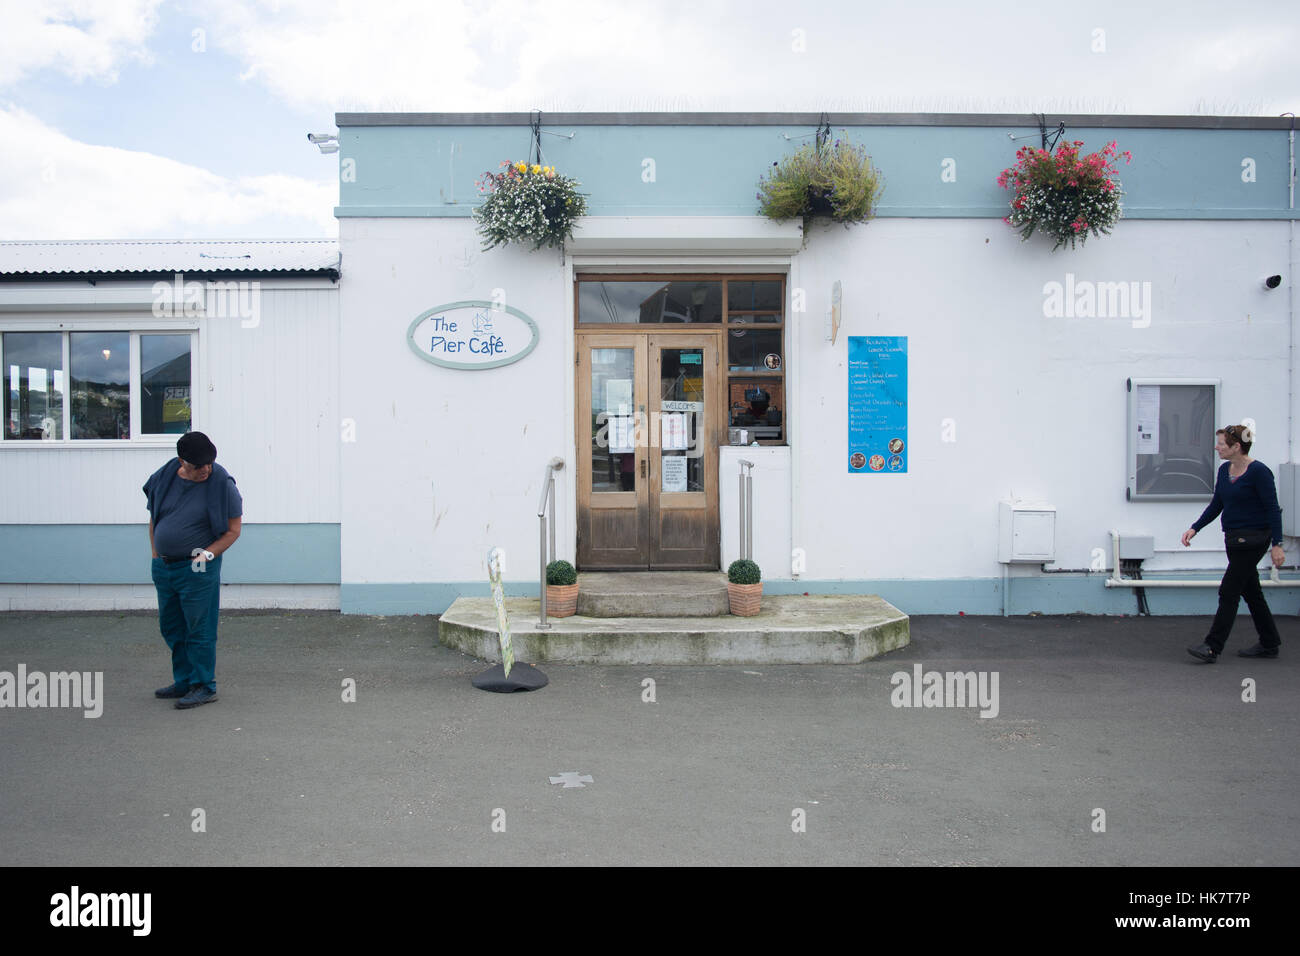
(649, 302)
(758, 407)
(682, 398)
(33, 364)
(752, 350)
(613, 420)
(101, 389)
(165, 384)
(750, 296)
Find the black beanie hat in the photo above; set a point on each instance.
(197, 449)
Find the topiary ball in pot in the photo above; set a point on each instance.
(561, 589)
(744, 587)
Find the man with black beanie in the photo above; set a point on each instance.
(195, 514)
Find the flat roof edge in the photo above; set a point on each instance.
(328, 272)
(1085, 120)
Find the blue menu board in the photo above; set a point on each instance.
(877, 404)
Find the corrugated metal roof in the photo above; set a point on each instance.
(155, 256)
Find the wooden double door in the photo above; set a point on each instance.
(648, 416)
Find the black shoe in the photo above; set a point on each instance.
(172, 690)
(1203, 653)
(1259, 650)
(196, 698)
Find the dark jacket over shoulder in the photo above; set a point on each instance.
(217, 488)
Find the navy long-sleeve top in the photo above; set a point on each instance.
(1248, 502)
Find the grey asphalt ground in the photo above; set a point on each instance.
(1095, 713)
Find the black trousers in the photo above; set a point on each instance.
(1241, 580)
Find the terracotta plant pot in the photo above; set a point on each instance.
(744, 598)
(561, 600)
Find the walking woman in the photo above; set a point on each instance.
(1245, 493)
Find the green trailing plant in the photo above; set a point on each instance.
(561, 573)
(1063, 195)
(838, 181)
(744, 571)
(528, 204)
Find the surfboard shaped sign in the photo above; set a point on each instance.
(475, 334)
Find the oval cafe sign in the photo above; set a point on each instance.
(475, 334)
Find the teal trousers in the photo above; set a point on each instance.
(188, 608)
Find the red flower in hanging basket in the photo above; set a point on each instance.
(1064, 195)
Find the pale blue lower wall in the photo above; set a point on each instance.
(119, 554)
(1055, 594)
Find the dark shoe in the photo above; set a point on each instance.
(172, 690)
(1259, 650)
(1203, 653)
(197, 697)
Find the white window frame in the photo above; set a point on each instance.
(133, 326)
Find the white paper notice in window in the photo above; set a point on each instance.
(673, 427)
(1148, 419)
(620, 434)
(674, 473)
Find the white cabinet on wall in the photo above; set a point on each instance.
(1026, 531)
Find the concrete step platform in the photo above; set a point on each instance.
(790, 629)
(652, 594)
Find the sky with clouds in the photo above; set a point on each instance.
(188, 118)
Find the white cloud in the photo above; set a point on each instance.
(84, 39)
(53, 187)
(458, 55)
(516, 55)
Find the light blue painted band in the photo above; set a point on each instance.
(119, 554)
(1052, 594)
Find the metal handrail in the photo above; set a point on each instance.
(746, 510)
(546, 528)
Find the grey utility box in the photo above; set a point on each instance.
(1026, 531)
(1136, 547)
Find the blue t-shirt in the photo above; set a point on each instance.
(182, 521)
(1248, 502)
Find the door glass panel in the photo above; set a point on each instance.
(681, 416)
(613, 451)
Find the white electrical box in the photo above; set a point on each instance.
(1026, 531)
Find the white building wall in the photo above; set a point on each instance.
(266, 394)
(1038, 404)
(447, 463)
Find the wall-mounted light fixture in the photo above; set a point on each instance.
(325, 142)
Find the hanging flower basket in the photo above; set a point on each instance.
(838, 182)
(528, 203)
(1063, 195)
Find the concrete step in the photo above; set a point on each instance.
(790, 629)
(652, 594)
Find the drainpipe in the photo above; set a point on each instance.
(794, 422)
(1290, 292)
